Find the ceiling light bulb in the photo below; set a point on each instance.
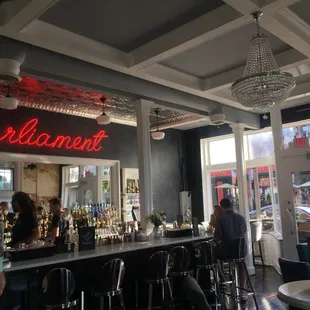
(103, 119)
(158, 135)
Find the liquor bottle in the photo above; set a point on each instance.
(133, 187)
(137, 186)
(1, 240)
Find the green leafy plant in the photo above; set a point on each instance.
(157, 218)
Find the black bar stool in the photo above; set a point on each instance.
(59, 286)
(235, 259)
(179, 269)
(112, 276)
(206, 260)
(180, 258)
(158, 271)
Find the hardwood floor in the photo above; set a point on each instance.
(266, 285)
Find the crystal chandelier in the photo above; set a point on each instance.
(262, 85)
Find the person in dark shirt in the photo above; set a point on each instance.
(229, 228)
(25, 229)
(55, 208)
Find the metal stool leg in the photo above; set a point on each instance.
(197, 274)
(250, 284)
(82, 300)
(218, 296)
(253, 254)
(232, 268)
(150, 296)
(170, 296)
(163, 296)
(237, 280)
(110, 302)
(261, 253)
(136, 294)
(101, 303)
(121, 301)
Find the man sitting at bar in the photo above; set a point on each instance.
(229, 228)
(55, 209)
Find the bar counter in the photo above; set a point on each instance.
(24, 278)
(101, 251)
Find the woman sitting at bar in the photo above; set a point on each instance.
(26, 228)
(217, 213)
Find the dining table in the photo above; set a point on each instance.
(296, 294)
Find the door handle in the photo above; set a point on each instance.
(291, 229)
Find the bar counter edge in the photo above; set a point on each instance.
(100, 252)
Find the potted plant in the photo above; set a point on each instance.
(157, 218)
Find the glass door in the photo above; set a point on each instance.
(261, 196)
(301, 194)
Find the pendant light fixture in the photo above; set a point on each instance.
(103, 119)
(262, 85)
(157, 135)
(8, 102)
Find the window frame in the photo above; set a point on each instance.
(12, 179)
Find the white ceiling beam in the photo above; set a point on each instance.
(56, 39)
(279, 21)
(194, 33)
(289, 28)
(247, 7)
(272, 5)
(300, 90)
(30, 11)
(162, 72)
(185, 121)
(287, 59)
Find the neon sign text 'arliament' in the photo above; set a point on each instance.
(28, 135)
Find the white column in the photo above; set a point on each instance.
(276, 126)
(144, 160)
(284, 186)
(238, 130)
(18, 175)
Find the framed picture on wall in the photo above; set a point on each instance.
(6, 179)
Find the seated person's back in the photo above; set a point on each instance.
(230, 226)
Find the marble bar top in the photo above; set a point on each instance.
(296, 294)
(101, 251)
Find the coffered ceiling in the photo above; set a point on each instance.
(195, 46)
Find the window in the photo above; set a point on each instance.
(6, 179)
(222, 151)
(219, 184)
(288, 137)
(224, 185)
(275, 198)
(260, 145)
(301, 191)
(73, 174)
(89, 171)
(291, 132)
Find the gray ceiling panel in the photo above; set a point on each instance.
(125, 24)
(302, 9)
(221, 54)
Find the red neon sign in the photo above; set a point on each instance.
(28, 135)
